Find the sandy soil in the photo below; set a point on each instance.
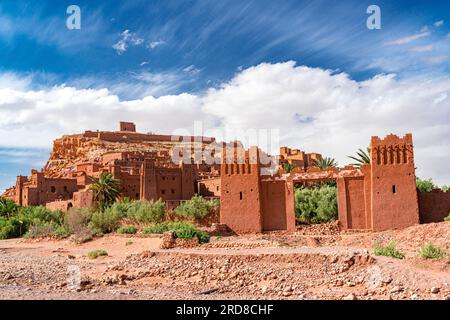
(313, 263)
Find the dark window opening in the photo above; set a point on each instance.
(240, 195)
(394, 189)
(173, 191)
(65, 189)
(217, 188)
(137, 195)
(163, 191)
(52, 189)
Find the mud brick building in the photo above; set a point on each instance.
(377, 196)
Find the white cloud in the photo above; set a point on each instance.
(144, 63)
(127, 38)
(155, 44)
(437, 59)
(192, 70)
(408, 39)
(426, 48)
(439, 23)
(314, 109)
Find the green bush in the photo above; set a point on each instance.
(47, 229)
(141, 211)
(27, 217)
(425, 185)
(127, 230)
(11, 228)
(96, 253)
(430, 251)
(316, 205)
(197, 207)
(390, 250)
(8, 208)
(445, 188)
(182, 230)
(105, 221)
(448, 218)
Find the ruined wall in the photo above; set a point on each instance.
(209, 187)
(394, 194)
(434, 206)
(127, 126)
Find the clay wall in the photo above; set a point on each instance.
(434, 206)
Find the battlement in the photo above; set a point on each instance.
(236, 160)
(392, 150)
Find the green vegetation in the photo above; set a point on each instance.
(447, 218)
(105, 190)
(362, 157)
(7, 208)
(430, 251)
(425, 185)
(325, 163)
(288, 167)
(317, 204)
(127, 230)
(390, 250)
(197, 207)
(182, 230)
(445, 188)
(85, 223)
(97, 253)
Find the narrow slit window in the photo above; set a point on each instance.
(240, 195)
(394, 189)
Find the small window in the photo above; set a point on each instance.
(173, 178)
(240, 195)
(394, 189)
(65, 189)
(217, 188)
(173, 191)
(163, 191)
(52, 189)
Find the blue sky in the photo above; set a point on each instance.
(138, 49)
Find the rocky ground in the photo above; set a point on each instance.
(314, 263)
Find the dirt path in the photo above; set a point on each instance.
(270, 266)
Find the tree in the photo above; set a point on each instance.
(7, 207)
(105, 190)
(425, 186)
(288, 167)
(362, 158)
(325, 163)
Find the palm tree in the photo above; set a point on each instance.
(325, 163)
(288, 167)
(105, 190)
(363, 158)
(7, 207)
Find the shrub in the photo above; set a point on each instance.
(158, 228)
(389, 250)
(144, 211)
(96, 253)
(430, 251)
(182, 230)
(105, 221)
(317, 204)
(7, 207)
(25, 218)
(425, 185)
(47, 229)
(448, 218)
(445, 188)
(11, 228)
(197, 207)
(127, 230)
(77, 219)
